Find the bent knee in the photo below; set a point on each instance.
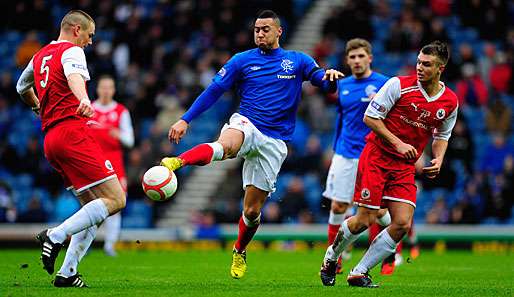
(402, 226)
(252, 213)
(339, 207)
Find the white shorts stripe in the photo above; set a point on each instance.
(399, 200)
(95, 183)
(368, 206)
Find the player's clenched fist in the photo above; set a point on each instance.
(177, 131)
(407, 150)
(85, 109)
(332, 74)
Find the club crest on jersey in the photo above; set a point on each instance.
(365, 193)
(370, 90)
(287, 65)
(108, 165)
(222, 72)
(440, 114)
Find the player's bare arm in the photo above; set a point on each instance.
(438, 150)
(30, 98)
(177, 131)
(332, 74)
(377, 125)
(78, 87)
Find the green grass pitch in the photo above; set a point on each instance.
(270, 273)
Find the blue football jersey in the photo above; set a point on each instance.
(354, 97)
(269, 85)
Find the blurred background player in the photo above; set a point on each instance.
(270, 84)
(354, 94)
(59, 72)
(113, 134)
(404, 115)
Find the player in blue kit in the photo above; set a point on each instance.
(269, 81)
(354, 94)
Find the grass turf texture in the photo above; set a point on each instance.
(270, 273)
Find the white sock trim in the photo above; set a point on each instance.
(253, 223)
(218, 152)
(335, 218)
(385, 220)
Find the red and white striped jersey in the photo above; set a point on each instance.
(411, 115)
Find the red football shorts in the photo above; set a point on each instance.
(116, 158)
(72, 151)
(382, 176)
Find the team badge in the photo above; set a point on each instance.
(370, 90)
(287, 65)
(108, 165)
(440, 114)
(365, 193)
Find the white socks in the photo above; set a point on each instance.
(79, 245)
(343, 239)
(93, 213)
(385, 220)
(112, 231)
(335, 218)
(217, 148)
(380, 248)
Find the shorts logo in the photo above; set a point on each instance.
(378, 107)
(108, 165)
(440, 114)
(365, 193)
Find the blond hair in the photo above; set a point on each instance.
(76, 17)
(357, 43)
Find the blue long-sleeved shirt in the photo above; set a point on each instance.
(354, 97)
(269, 85)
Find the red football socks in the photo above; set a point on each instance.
(198, 155)
(245, 235)
(332, 233)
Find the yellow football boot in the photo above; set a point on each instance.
(172, 163)
(238, 268)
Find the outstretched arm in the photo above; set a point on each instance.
(208, 97)
(326, 80)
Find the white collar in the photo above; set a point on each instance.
(436, 96)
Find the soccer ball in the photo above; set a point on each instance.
(159, 183)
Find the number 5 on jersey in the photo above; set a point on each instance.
(45, 69)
